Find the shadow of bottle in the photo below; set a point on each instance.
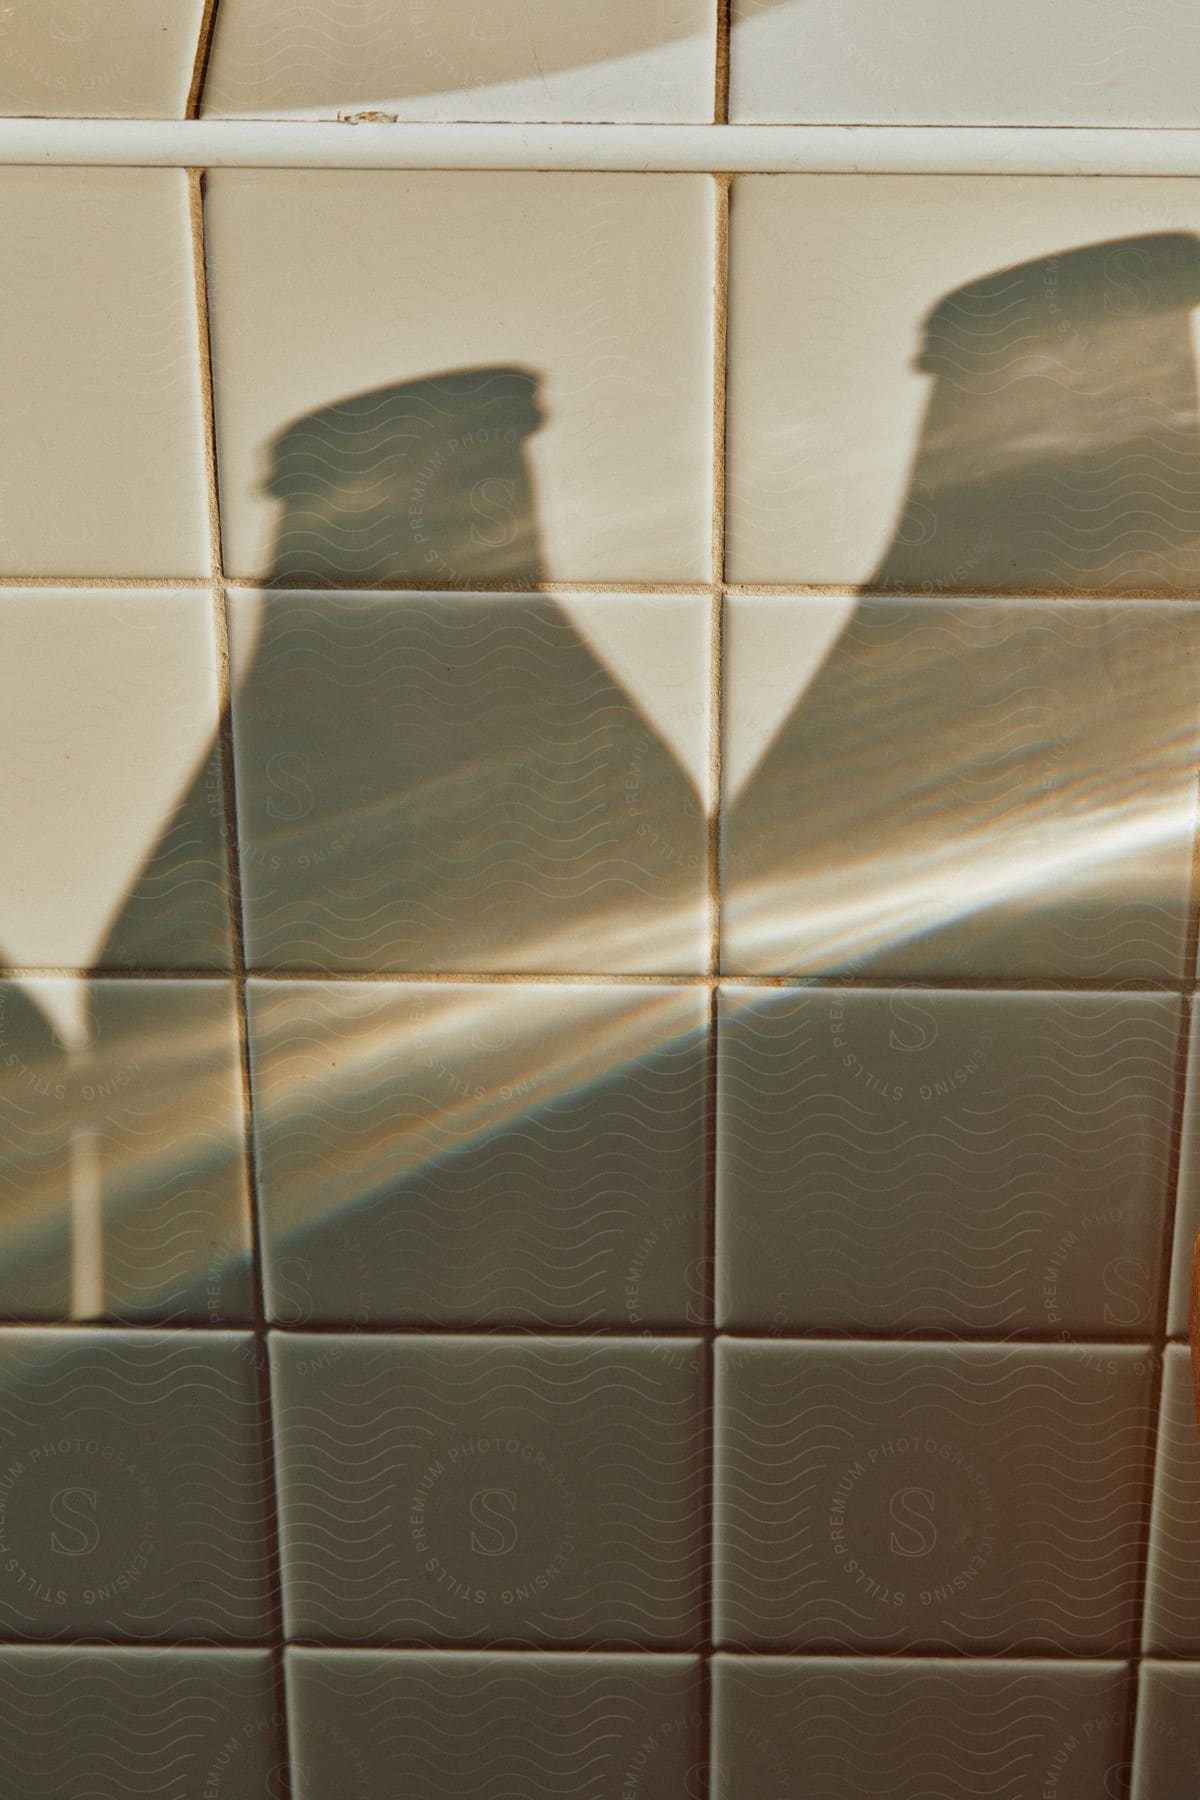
(978, 790)
(1060, 448)
(436, 772)
(442, 781)
(424, 483)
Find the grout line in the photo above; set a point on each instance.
(261, 1354)
(600, 589)
(968, 984)
(967, 1657)
(799, 1650)
(204, 44)
(1006, 597)
(716, 664)
(1192, 955)
(716, 721)
(724, 61)
(850, 1338)
(881, 983)
(85, 583)
(708, 1561)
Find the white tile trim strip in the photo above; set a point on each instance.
(721, 149)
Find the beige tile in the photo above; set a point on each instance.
(160, 1720)
(122, 1180)
(591, 1448)
(938, 1497)
(135, 1499)
(89, 59)
(961, 788)
(889, 1160)
(964, 384)
(457, 59)
(455, 1725)
(938, 62)
(102, 471)
(491, 1155)
(472, 781)
(110, 807)
(454, 378)
(851, 1727)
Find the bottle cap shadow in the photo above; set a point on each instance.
(1060, 448)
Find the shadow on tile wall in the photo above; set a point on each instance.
(972, 787)
(450, 781)
(943, 797)
(455, 780)
(431, 782)
(1061, 443)
(443, 783)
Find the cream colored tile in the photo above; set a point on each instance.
(110, 806)
(595, 1444)
(983, 1498)
(908, 1728)
(463, 378)
(459, 59)
(145, 1450)
(480, 1155)
(102, 469)
(138, 1722)
(887, 1161)
(455, 1725)
(964, 384)
(938, 62)
(472, 781)
(122, 1174)
(960, 788)
(94, 59)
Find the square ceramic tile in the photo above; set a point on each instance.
(1081, 62)
(968, 788)
(139, 1724)
(465, 1727)
(911, 1729)
(549, 59)
(122, 1152)
(481, 1155)
(108, 733)
(930, 1497)
(103, 471)
(132, 1499)
(1173, 1593)
(523, 392)
(451, 782)
(927, 1159)
(1167, 1752)
(963, 384)
(84, 59)
(1187, 1213)
(455, 1489)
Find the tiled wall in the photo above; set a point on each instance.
(599, 775)
(1080, 62)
